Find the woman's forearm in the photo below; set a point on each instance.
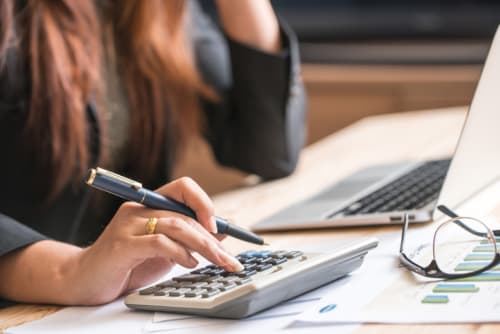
(251, 22)
(40, 273)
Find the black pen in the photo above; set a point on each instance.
(131, 190)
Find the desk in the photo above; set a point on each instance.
(378, 139)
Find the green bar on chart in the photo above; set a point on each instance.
(475, 265)
(482, 277)
(479, 257)
(435, 299)
(452, 287)
(486, 241)
(484, 248)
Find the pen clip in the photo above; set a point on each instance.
(130, 182)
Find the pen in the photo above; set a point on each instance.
(131, 190)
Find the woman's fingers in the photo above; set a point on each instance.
(160, 246)
(199, 241)
(187, 191)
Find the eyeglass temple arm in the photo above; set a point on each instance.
(403, 232)
(444, 209)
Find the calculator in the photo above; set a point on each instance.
(269, 277)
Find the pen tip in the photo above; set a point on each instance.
(266, 244)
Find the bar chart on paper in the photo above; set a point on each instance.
(401, 297)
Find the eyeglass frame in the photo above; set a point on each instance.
(432, 270)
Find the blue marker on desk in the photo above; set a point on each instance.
(131, 190)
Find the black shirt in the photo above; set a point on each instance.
(257, 126)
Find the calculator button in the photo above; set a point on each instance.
(293, 254)
(265, 253)
(216, 271)
(150, 290)
(249, 254)
(246, 273)
(243, 280)
(213, 286)
(249, 266)
(278, 260)
(183, 284)
(167, 284)
(228, 287)
(210, 293)
(279, 253)
(191, 278)
(263, 267)
(244, 260)
(163, 292)
(229, 279)
(194, 293)
(178, 292)
(214, 278)
(264, 260)
(196, 285)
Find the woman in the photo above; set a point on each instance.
(123, 85)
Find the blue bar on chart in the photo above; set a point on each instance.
(479, 257)
(435, 299)
(453, 287)
(482, 277)
(475, 265)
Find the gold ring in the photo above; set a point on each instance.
(151, 225)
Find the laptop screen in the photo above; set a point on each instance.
(476, 162)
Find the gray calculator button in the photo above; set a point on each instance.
(196, 285)
(243, 280)
(183, 284)
(213, 286)
(249, 266)
(164, 291)
(244, 260)
(279, 253)
(229, 279)
(150, 290)
(191, 278)
(278, 260)
(246, 273)
(194, 293)
(216, 271)
(214, 279)
(264, 260)
(210, 293)
(263, 267)
(178, 292)
(293, 254)
(228, 287)
(167, 284)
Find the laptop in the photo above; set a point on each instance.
(380, 194)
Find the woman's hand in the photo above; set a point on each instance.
(124, 257)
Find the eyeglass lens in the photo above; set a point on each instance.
(458, 251)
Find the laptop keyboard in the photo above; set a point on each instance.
(413, 190)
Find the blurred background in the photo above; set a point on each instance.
(367, 57)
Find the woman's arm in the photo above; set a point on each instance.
(258, 125)
(251, 22)
(123, 258)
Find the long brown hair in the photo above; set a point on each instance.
(62, 42)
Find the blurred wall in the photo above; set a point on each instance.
(352, 70)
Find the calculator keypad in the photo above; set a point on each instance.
(212, 280)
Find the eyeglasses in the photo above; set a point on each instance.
(452, 239)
